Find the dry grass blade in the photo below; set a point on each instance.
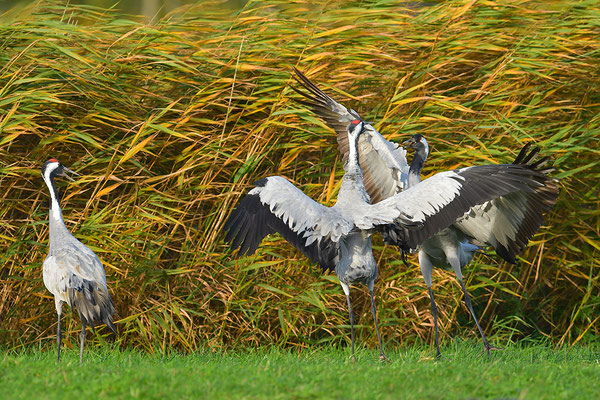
(168, 125)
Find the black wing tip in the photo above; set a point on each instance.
(298, 73)
(522, 154)
(238, 226)
(111, 325)
(234, 225)
(261, 182)
(505, 254)
(527, 158)
(320, 97)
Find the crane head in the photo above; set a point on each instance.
(418, 143)
(53, 167)
(355, 128)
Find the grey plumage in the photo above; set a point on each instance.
(72, 272)
(383, 163)
(339, 237)
(329, 236)
(506, 221)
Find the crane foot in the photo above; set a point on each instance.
(488, 347)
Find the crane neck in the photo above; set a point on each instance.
(352, 164)
(418, 161)
(352, 191)
(56, 218)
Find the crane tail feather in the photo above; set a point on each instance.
(93, 303)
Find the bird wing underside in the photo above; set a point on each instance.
(438, 201)
(383, 163)
(509, 222)
(277, 206)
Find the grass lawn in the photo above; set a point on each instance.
(533, 372)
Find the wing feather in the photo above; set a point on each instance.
(77, 259)
(509, 222)
(383, 162)
(74, 274)
(277, 206)
(438, 201)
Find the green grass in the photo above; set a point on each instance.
(533, 372)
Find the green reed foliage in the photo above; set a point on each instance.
(169, 124)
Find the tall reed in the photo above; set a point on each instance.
(170, 123)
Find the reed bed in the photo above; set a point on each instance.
(169, 123)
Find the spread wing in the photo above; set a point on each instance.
(437, 202)
(277, 206)
(505, 222)
(383, 163)
(508, 223)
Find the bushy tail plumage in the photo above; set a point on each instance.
(93, 302)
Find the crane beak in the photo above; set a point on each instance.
(409, 143)
(65, 169)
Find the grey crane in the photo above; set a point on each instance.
(339, 237)
(506, 222)
(72, 272)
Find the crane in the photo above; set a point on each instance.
(339, 237)
(505, 222)
(72, 272)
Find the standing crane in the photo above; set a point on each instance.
(339, 237)
(506, 222)
(72, 272)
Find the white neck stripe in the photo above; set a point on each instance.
(47, 179)
(426, 148)
(55, 209)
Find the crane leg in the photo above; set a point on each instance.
(426, 269)
(486, 345)
(81, 341)
(382, 356)
(435, 323)
(58, 339)
(351, 325)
